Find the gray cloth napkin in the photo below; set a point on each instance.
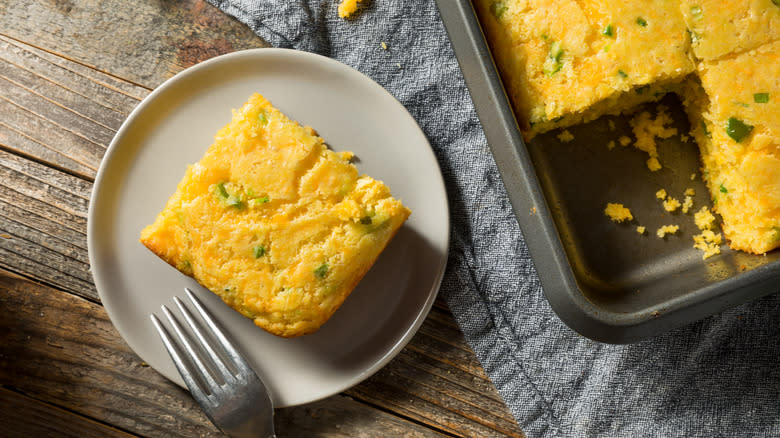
(717, 377)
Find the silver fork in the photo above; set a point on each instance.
(231, 394)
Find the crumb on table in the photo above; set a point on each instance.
(640, 229)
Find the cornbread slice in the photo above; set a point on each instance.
(275, 223)
(565, 62)
(721, 27)
(735, 116)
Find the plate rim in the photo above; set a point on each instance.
(115, 146)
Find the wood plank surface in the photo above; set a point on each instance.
(61, 350)
(65, 88)
(144, 42)
(25, 417)
(57, 111)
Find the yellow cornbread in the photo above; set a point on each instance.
(617, 212)
(735, 115)
(569, 61)
(671, 204)
(707, 241)
(646, 129)
(275, 223)
(565, 62)
(721, 27)
(348, 7)
(687, 204)
(662, 231)
(565, 136)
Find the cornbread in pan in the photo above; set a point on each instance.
(735, 113)
(566, 62)
(275, 223)
(721, 27)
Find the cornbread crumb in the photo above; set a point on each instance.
(611, 124)
(640, 229)
(384, 45)
(684, 138)
(708, 242)
(565, 136)
(693, 176)
(687, 204)
(646, 129)
(689, 192)
(653, 164)
(671, 204)
(611, 145)
(667, 229)
(661, 194)
(624, 140)
(348, 7)
(704, 219)
(618, 213)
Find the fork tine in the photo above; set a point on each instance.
(200, 368)
(206, 343)
(238, 360)
(182, 365)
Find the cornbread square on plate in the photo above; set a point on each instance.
(735, 116)
(721, 27)
(275, 223)
(565, 62)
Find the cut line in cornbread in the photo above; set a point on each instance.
(275, 223)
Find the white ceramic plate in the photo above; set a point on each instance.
(173, 127)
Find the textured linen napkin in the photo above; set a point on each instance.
(718, 377)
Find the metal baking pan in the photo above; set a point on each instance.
(605, 280)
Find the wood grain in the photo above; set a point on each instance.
(63, 351)
(59, 112)
(143, 42)
(25, 417)
(43, 221)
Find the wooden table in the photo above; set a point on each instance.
(70, 72)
